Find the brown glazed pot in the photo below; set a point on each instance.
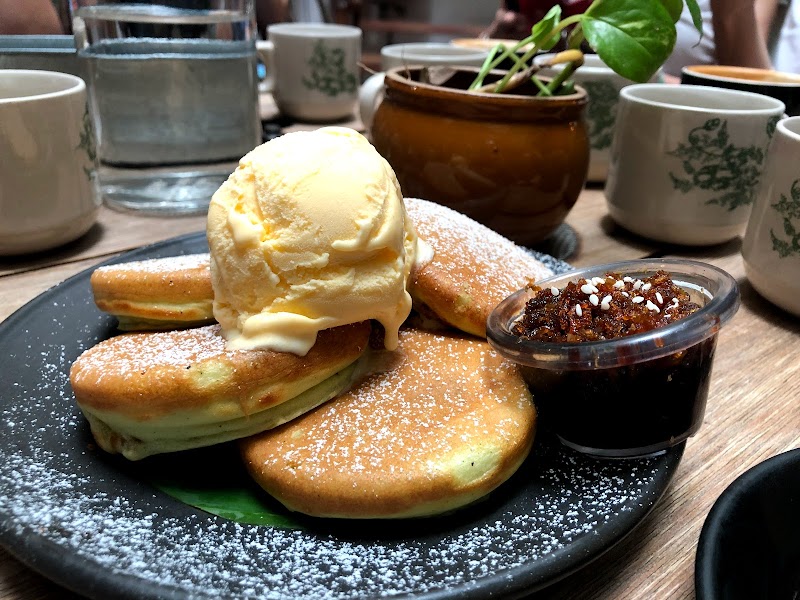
(510, 161)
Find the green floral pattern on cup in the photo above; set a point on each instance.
(601, 113)
(88, 143)
(328, 72)
(711, 162)
(772, 125)
(789, 210)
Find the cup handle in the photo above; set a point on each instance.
(369, 97)
(265, 49)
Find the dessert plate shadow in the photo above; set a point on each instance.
(97, 525)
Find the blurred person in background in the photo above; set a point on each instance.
(735, 33)
(514, 18)
(29, 17)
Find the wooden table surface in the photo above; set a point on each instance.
(753, 410)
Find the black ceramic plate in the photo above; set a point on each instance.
(749, 546)
(91, 523)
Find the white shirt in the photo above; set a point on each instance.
(688, 51)
(787, 50)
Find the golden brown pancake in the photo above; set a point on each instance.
(160, 293)
(443, 423)
(147, 393)
(472, 270)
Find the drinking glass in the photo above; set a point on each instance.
(173, 88)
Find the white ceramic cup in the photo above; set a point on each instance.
(312, 69)
(686, 161)
(48, 167)
(413, 53)
(771, 246)
(603, 86)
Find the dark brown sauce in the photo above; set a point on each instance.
(633, 408)
(591, 310)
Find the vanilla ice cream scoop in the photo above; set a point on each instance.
(310, 232)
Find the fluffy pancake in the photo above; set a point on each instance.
(473, 268)
(146, 393)
(443, 423)
(160, 293)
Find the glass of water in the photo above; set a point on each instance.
(173, 88)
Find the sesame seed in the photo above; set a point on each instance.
(588, 288)
(554, 291)
(637, 299)
(594, 299)
(598, 280)
(605, 306)
(619, 285)
(646, 286)
(637, 284)
(607, 300)
(627, 279)
(675, 301)
(626, 294)
(660, 298)
(578, 310)
(651, 306)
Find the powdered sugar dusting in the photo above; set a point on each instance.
(169, 264)
(138, 352)
(494, 261)
(91, 509)
(396, 429)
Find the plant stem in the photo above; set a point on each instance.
(534, 49)
(491, 62)
(556, 82)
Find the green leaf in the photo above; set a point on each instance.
(240, 503)
(633, 37)
(214, 480)
(541, 32)
(697, 17)
(674, 8)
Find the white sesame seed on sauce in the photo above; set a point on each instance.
(607, 300)
(594, 299)
(637, 284)
(646, 286)
(637, 299)
(619, 285)
(588, 288)
(627, 279)
(651, 306)
(555, 291)
(626, 294)
(660, 298)
(578, 310)
(598, 280)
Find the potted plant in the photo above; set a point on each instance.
(509, 148)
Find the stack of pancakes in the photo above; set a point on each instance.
(349, 430)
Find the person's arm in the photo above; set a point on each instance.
(741, 28)
(28, 17)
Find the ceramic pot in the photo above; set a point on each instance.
(513, 162)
